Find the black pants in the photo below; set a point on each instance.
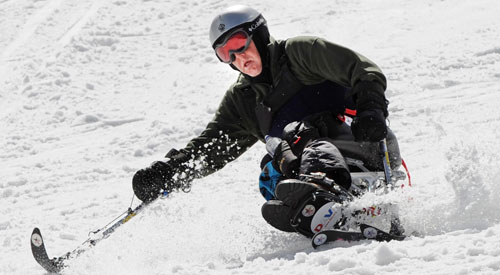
(339, 133)
(332, 142)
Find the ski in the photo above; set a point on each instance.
(55, 265)
(38, 248)
(367, 232)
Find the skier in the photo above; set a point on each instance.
(293, 94)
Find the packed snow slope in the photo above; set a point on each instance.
(93, 90)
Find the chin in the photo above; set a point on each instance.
(253, 73)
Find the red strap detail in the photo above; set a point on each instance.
(341, 117)
(350, 112)
(297, 140)
(407, 172)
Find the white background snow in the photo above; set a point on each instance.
(93, 90)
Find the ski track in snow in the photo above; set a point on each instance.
(91, 91)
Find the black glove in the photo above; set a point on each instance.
(369, 125)
(148, 183)
(285, 161)
(371, 105)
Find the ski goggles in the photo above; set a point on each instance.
(237, 42)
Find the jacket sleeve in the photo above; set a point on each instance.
(223, 140)
(314, 59)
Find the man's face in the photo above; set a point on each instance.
(249, 62)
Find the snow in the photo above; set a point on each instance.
(91, 91)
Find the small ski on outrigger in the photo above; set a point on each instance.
(55, 265)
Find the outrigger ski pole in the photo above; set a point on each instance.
(55, 265)
(387, 164)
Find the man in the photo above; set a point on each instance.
(294, 94)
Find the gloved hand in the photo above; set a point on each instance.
(148, 183)
(285, 161)
(371, 105)
(369, 125)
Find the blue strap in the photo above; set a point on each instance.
(268, 179)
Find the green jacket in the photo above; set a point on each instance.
(235, 126)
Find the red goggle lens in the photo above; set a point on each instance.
(236, 43)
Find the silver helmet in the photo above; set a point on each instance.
(232, 18)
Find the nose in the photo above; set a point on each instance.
(240, 57)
